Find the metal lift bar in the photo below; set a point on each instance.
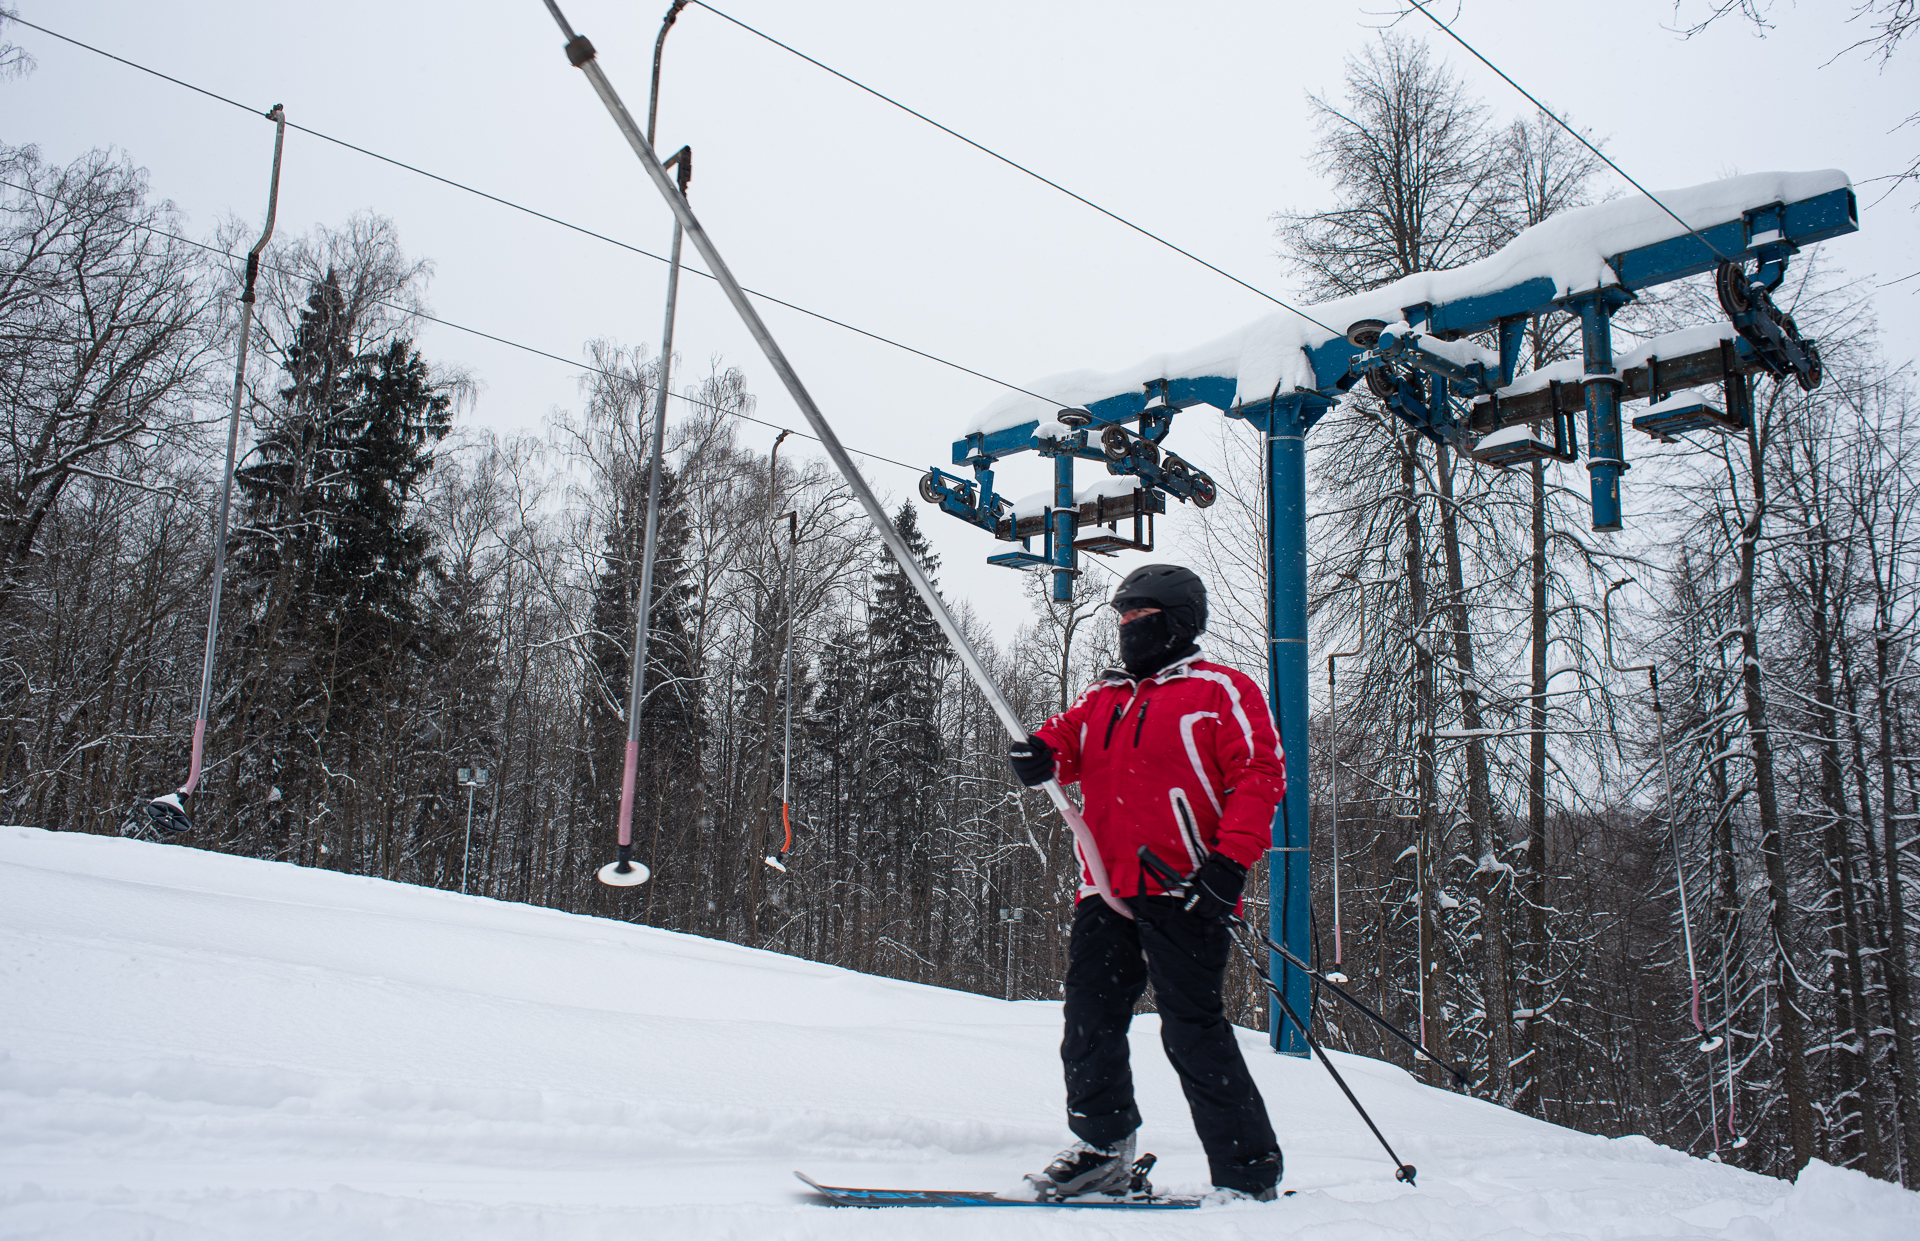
(622, 872)
(580, 54)
(278, 116)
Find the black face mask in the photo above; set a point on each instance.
(1149, 643)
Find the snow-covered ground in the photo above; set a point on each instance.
(194, 1045)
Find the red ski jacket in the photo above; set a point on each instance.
(1184, 762)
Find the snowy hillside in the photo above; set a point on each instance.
(194, 1045)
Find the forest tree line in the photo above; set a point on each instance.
(406, 598)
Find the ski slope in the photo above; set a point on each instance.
(195, 1045)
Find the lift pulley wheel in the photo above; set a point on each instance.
(1115, 443)
(1366, 333)
(1178, 471)
(1810, 378)
(929, 488)
(1204, 493)
(1730, 282)
(1743, 301)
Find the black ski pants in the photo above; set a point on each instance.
(1110, 960)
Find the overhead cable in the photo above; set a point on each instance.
(987, 150)
(1555, 118)
(416, 313)
(539, 215)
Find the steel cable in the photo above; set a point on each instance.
(414, 312)
(539, 215)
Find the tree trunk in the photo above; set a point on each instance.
(1848, 978)
(1536, 861)
(1490, 877)
(1793, 1035)
(1873, 916)
(1433, 1030)
(1898, 980)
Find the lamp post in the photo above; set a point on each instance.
(470, 778)
(1007, 918)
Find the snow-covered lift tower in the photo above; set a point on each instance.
(1413, 344)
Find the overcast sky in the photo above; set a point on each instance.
(1191, 120)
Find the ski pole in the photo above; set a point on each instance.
(580, 55)
(1461, 1076)
(165, 811)
(1402, 1171)
(1171, 878)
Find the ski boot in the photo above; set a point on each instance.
(1220, 1196)
(1225, 1194)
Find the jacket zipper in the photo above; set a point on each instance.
(1120, 713)
(1140, 721)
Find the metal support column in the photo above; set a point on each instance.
(1606, 447)
(1290, 885)
(1065, 520)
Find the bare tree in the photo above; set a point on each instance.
(15, 61)
(1410, 155)
(1071, 640)
(106, 330)
(1880, 27)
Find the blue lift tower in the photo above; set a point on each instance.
(1441, 351)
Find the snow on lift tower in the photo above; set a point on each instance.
(1441, 350)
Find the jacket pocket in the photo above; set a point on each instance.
(1189, 830)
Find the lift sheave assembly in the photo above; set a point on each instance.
(1141, 474)
(1441, 351)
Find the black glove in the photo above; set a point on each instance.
(1214, 890)
(1032, 761)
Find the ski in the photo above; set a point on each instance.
(841, 1195)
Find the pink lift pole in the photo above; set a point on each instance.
(165, 813)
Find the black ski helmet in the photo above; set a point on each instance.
(1175, 590)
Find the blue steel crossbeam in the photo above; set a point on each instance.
(1417, 358)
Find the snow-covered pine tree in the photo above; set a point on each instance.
(907, 751)
(330, 559)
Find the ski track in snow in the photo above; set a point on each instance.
(201, 1046)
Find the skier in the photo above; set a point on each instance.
(1181, 756)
